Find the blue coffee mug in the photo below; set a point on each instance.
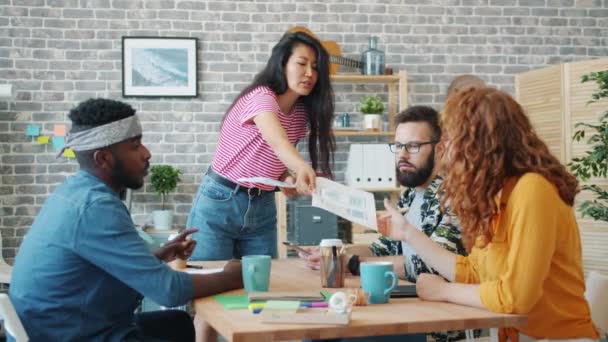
(378, 279)
(256, 272)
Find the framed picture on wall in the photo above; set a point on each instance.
(159, 67)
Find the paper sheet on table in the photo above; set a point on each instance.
(233, 302)
(355, 205)
(266, 181)
(203, 271)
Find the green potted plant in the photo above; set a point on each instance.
(595, 161)
(164, 180)
(372, 108)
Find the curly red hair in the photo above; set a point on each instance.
(489, 139)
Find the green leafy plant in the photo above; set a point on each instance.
(164, 180)
(372, 104)
(595, 161)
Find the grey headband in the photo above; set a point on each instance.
(103, 136)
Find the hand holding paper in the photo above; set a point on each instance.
(289, 179)
(306, 179)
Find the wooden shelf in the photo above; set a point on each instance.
(355, 78)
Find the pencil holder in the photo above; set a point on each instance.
(332, 263)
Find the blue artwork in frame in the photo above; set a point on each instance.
(159, 67)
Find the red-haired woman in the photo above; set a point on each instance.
(514, 200)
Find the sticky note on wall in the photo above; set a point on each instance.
(58, 142)
(43, 140)
(59, 130)
(68, 152)
(32, 130)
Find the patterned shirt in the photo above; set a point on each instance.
(242, 152)
(442, 228)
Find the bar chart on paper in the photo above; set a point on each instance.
(355, 205)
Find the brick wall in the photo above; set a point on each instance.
(59, 52)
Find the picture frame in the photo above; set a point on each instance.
(159, 66)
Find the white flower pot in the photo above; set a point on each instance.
(163, 219)
(373, 121)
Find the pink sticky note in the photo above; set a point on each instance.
(59, 131)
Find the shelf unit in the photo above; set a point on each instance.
(397, 98)
(397, 101)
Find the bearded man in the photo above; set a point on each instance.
(417, 152)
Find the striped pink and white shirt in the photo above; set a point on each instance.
(242, 152)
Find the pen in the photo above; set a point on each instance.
(194, 266)
(314, 305)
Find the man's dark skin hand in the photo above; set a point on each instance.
(231, 278)
(180, 247)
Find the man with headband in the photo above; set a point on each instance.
(82, 269)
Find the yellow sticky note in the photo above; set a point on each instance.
(68, 152)
(43, 140)
(59, 131)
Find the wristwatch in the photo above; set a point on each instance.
(353, 265)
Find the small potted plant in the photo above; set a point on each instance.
(164, 180)
(372, 109)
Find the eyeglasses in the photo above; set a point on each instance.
(410, 147)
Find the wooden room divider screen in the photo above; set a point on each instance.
(556, 100)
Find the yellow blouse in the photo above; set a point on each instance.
(533, 265)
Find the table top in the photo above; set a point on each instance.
(399, 316)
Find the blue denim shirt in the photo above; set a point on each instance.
(82, 268)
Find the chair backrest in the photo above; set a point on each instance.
(597, 296)
(12, 323)
(2, 261)
(5, 269)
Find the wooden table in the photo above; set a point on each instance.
(399, 316)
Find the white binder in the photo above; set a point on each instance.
(354, 167)
(370, 166)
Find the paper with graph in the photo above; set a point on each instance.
(355, 205)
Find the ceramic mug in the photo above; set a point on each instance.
(256, 272)
(378, 279)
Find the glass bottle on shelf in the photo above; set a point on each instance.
(345, 120)
(338, 121)
(372, 60)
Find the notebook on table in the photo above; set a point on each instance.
(305, 296)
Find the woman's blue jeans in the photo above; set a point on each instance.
(232, 223)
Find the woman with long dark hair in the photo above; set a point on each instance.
(514, 201)
(290, 98)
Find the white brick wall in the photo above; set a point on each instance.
(59, 52)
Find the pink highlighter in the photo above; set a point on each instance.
(314, 304)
